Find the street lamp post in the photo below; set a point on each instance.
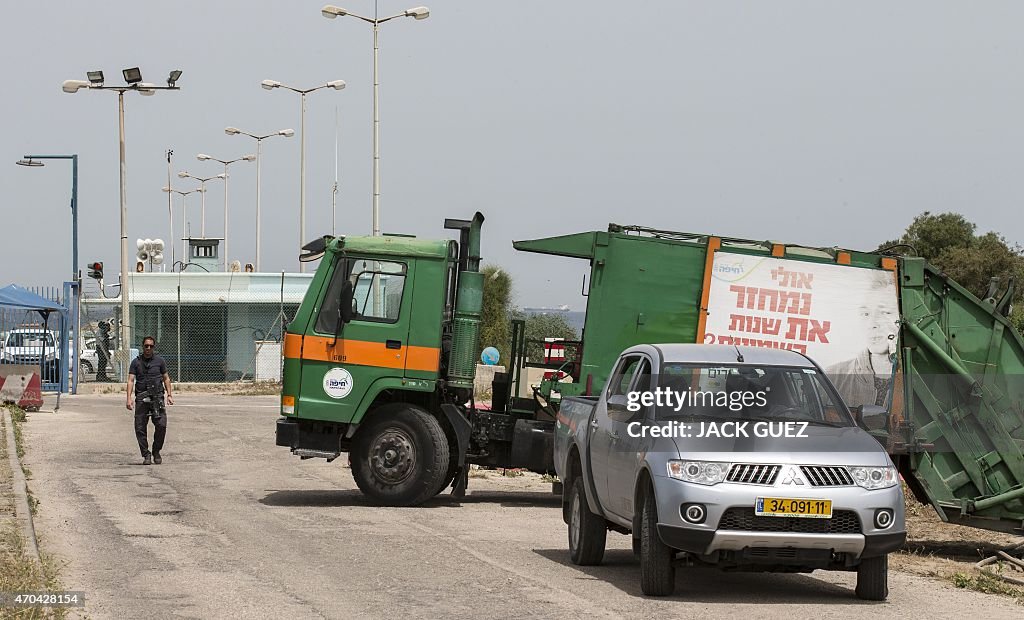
(331, 12)
(271, 85)
(233, 131)
(31, 160)
(133, 79)
(202, 188)
(204, 157)
(184, 247)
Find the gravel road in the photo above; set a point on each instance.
(232, 526)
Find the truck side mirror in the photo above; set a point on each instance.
(345, 310)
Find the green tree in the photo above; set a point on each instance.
(949, 241)
(541, 326)
(497, 311)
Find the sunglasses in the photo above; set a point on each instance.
(148, 346)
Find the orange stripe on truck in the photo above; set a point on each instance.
(361, 353)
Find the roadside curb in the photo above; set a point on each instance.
(22, 510)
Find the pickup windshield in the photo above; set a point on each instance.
(747, 392)
(30, 340)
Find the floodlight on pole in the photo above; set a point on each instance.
(133, 78)
(418, 13)
(271, 85)
(132, 75)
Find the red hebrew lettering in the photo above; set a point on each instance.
(766, 294)
(819, 331)
(794, 324)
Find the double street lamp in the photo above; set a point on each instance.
(331, 12)
(184, 246)
(271, 85)
(226, 162)
(202, 188)
(234, 131)
(133, 79)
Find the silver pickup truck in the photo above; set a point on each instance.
(743, 458)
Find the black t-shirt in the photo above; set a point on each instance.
(148, 373)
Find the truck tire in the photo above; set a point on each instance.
(657, 573)
(587, 531)
(400, 456)
(873, 578)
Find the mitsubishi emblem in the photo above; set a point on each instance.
(793, 477)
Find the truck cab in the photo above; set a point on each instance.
(380, 361)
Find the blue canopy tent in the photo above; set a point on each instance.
(18, 298)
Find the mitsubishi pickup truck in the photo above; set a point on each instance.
(739, 457)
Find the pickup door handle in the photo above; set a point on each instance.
(594, 424)
(393, 344)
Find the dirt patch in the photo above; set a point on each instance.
(949, 552)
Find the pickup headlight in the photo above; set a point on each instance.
(699, 472)
(874, 477)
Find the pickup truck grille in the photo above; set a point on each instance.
(823, 476)
(753, 474)
(744, 520)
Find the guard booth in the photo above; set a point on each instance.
(35, 336)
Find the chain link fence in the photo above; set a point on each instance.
(209, 327)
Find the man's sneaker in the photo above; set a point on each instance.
(148, 460)
(156, 458)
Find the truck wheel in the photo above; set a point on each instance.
(587, 531)
(873, 578)
(657, 573)
(401, 456)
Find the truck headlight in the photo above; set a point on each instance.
(699, 472)
(874, 477)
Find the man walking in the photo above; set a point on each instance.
(149, 380)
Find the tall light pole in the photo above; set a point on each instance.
(271, 85)
(184, 248)
(234, 131)
(202, 188)
(331, 12)
(133, 79)
(204, 157)
(31, 160)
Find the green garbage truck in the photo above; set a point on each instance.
(380, 356)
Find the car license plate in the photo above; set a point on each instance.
(789, 507)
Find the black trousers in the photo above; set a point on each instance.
(144, 411)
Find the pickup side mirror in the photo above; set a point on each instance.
(871, 417)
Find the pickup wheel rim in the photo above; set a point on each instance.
(574, 521)
(392, 456)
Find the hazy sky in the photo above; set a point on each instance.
(822, 123)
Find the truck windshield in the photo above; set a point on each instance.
(747, 392)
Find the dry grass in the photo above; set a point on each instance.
(18, 570)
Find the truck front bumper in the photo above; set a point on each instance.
(287, 432)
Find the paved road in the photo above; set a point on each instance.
(233, 526)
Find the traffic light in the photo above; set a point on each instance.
(96, 270)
